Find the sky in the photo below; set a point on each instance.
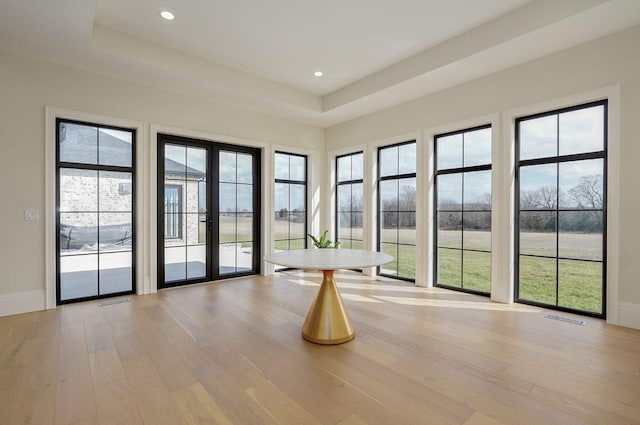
(578, 131)
(235, 170)
(567, 133)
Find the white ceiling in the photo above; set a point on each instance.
(261, 54)
(287, 40)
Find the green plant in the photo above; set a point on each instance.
(323, 241)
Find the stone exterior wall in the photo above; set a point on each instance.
(84, 192)
(190, 220)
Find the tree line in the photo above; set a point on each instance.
(580, 209)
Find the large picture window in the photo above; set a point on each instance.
(95, 198)
(397, 209)
(349, 203)
(561, 199)
(290, 201)
(463, 210)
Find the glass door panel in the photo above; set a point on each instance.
(235, 215)
(207, 226)
(185, 212)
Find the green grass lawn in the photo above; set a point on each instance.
(468, 269)
(404, 261)
(580, 282)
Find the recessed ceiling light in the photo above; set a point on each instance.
(167, 15)
(318, 73)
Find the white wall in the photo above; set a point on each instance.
(603, 63)
(28, 86)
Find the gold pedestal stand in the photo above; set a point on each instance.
(327, 321)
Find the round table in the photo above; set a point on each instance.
(327, 321)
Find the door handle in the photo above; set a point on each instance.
(210, 223)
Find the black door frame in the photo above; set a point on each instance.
(212, 250)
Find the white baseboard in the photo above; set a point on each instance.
(21, 302)
(629, 315)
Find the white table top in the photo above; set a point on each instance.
(328, 259)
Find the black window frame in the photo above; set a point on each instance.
(98, 168)
(379, 211)
(560, 159)
(349, 182)
(290, 182)
(451, 171)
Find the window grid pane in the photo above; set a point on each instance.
(562, 199)
(290, 213)
(397, 209)
(349, 200)
(463, 210)
(185, 212)
(94, 211)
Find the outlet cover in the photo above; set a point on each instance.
(31, 215)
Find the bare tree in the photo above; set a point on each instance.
(449, 204)
(588, 193)
(407, 198)
(542, 198)
(481, 201)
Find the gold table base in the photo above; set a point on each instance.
(327, 321)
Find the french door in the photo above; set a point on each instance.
(208, 211)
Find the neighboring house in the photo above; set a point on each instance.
(84, 192)
(184, 190)
(111, 193)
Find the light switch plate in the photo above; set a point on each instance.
(31, 215)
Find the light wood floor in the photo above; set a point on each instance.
(231, 353)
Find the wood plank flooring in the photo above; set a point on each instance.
(231, 353)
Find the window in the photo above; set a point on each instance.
(124, 189)
(463, 210)
(95, 199)
(290, 201)
(397, 209)
(561, 214)
(349, 202)
(173, 211)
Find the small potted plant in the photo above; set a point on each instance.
(323, 241)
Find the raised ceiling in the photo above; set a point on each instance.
(261, 54)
